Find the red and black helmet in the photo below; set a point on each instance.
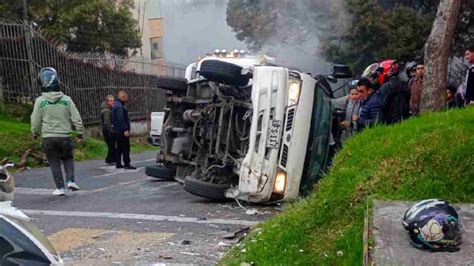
(387, 69)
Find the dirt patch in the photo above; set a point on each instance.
(72, 238)
(80, 246)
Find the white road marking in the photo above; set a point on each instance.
(144, 161)
(137, 216)
(118, 171)
(112, 167)
(45, 191)
(41, 191)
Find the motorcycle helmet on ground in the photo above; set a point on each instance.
(387, 69)
(48, 80)
(433, 225)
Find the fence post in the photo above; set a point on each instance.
(28, 46)
(2, 98)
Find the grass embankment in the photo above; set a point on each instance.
(15, 137)
(427, 157)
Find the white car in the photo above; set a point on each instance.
(21, 242)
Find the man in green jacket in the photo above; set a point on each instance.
(53, 116)
(107, 127)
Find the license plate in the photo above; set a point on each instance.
(273, 135)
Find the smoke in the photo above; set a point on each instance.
(194, 28)
(302, 24)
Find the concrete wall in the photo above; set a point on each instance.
(138, 129)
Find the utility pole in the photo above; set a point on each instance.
(27, 30)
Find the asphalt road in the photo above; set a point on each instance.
(124, 217)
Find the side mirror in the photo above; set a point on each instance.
(341, 72)
(331, 78)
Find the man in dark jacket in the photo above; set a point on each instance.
(469, 95)
(370, 108)
(107, 127)
(121, 125)
(395, 99)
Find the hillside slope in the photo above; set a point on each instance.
(427, 157)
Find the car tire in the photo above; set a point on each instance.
(223, 72)
(178, 85)
(205, 189)
(160, 172)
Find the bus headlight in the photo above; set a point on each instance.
(280, 182)
(293, 92)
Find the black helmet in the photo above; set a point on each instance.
(48, 80)
(433, 225)
(409, 68)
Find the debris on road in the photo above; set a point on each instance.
(251, 212)
(189, 253)
(165, 257)
(239, 233)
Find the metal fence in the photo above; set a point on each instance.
(86, 77)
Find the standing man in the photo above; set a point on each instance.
(53, 116)
(107, 127)
(370, 108)
(416, 88)
(121, 125)
(469, 95)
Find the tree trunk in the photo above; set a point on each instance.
(437, 52)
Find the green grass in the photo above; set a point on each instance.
(427, 157)
(15, 138)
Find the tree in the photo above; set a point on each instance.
(437, 52)
(356, 32)
(82, 25)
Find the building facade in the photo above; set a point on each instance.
(147, 13)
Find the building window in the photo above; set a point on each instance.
(156, 48)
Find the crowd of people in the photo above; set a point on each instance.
(380, 95)
(53, 117)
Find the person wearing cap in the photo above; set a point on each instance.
(54, 115)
